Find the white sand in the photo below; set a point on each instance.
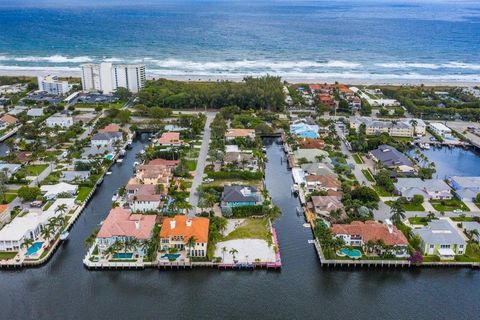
(75, 72)
(248, 251)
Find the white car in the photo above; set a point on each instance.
(457, 211)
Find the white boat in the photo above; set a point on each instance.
(426, 146)
(115, 197)
(109, 173)
(64, 235)
(295, 188)
(119, 160)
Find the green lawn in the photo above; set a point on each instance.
(472, 253)
(449, 205)
(418, 220)
(382, 192)
(368, 175)
(9, 197)
(462, 218)
(251, 229)
(409, 206)
(191, 164)
(83, 193)
(34, 169)
(7, 255)
(357, 158)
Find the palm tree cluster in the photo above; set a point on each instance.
(329, 243)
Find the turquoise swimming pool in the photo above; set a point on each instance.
(171, 256)
(109, 157)
(351, 253)
(34, 248)
(123, 255)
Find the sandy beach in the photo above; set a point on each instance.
(75, 73)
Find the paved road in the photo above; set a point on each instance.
(202, 159)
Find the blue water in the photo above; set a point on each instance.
(433, 40)
(34, 248)
(123, 255)
(170, 256)
(352, 253)
(453, 162)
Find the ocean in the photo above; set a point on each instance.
(362, 40)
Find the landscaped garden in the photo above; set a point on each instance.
(449, 205)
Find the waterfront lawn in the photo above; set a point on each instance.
(10, 195)
(8, 255)
(368, 175)
(34, 169)
(449, 205)
(357, 158)
(409, 206)
(251, 229)
(83, 193)
(472, 253)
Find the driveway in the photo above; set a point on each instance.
(202, 159)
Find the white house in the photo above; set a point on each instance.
(441, 129)
(60, 121)
(430, 188)
(105, 139)
(52, 191)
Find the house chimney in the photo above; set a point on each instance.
(137, 225)
(172, 224)
(189, 222)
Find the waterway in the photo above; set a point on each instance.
(453, 161)
(302, 290)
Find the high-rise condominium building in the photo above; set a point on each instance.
(52, 85)
(107, 77)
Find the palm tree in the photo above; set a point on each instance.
(191, 243)
(46, 233)
(26, 243)
(224, 250)
(398, 211)
(233, 252)
(414, 124)
(61, 208)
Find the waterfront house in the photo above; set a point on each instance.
(171, 164)
(170, 139)
(369, 233)
(441, 130)
(391, 158)
(69, 176)
(153, 174)
(465, 188)
(143, 197)
(469, 226)
(241, 160)
(51, 191)
(121, 225)
(311, 155)
(105, 139)
(317, 168)
(441, 237)
(30, 225)
(60, 121)
(397, 128)
(178, 231)
(307, 143)
(435, 189)
(322, 183)
(323, 206)
(303, 130)
(239, 196)
(231, 134)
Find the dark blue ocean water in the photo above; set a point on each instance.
(436, 40)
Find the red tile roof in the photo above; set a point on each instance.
(186, 227)
(121, 222)
(371, 230)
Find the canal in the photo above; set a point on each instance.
(302, 290)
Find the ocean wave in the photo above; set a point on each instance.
(51, 59)
(416, 65)
(250, 64)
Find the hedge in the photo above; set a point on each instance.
(243, 175)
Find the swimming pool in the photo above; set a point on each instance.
(123, 255)
(34, 248)
(351, 253)
(109, 157)
(171, 256)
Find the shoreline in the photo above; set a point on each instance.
(34, 72)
